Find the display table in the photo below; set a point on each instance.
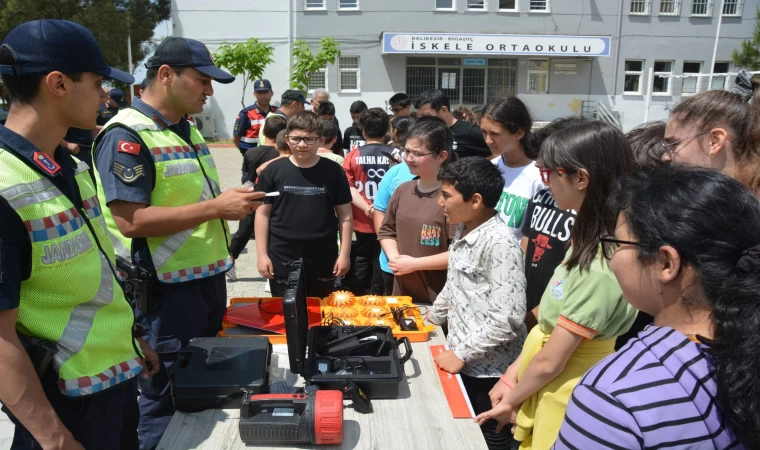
(419, 418)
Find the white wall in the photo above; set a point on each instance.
(215, 22)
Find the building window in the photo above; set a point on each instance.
(348, 4)
(315, 4)
(732, 7)
(539, 5)
(348, 66)
(502, 78)
(538, 76)
(477, 5)
(445, 5)
(691, 84)
(420, 76)
(470, 81)
(701, 7)
(634, 70)
(670, 7)
(662, 72)
(640, 7)
(507, 5)
(473, 86)
(719, 81)
(318, 80)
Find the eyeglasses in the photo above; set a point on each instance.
(546, 173)
(397, 109)
(610, 245)
(308, 140)
(408, 154)
(670, 147)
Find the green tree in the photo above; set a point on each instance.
(748, 56)
(248, 59)
(109, 21)
(306, 63)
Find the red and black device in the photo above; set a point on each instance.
(278, 419)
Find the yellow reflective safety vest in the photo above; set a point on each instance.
(184, 174)
(72, 298)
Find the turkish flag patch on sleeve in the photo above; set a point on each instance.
(129, 147)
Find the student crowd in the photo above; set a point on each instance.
(572, 242)
(597, 290)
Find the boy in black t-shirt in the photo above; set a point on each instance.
(353, 138)
(314, 200)
(468, 137)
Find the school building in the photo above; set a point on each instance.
(626, 61)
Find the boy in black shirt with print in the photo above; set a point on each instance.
(353, 138)
(314, 201)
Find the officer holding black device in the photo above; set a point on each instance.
(166, 215)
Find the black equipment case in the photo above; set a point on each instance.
(211, 373)
(367, 355)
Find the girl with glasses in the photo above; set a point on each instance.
(719, 130)
(506, 126)
(582, 310)
(693, 262)
(415, 233)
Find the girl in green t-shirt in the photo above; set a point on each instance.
(582, 310)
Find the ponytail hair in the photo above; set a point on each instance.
(713, 222)
(401, 126)
(738, 110)
(512, 114)
(436, 135)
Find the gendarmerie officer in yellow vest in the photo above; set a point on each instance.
(166, 215)
(68, 358)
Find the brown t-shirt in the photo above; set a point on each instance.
(416, 222)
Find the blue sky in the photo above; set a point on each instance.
(162, 30)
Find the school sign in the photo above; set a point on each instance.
(494, 44)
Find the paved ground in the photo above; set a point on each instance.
(228, 162)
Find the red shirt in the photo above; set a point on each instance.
(365, 167)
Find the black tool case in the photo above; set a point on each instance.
(367, 355)
(211, 373)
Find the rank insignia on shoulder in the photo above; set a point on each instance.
(128, 174)
(46, 163)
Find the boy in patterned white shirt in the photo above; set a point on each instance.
(484, 296)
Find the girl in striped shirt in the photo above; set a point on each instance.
(582, 310)
(687, 251)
